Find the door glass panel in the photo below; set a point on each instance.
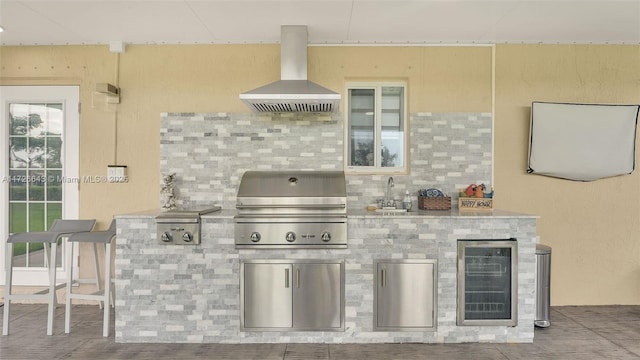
(36, 152)
(18, 216)
(18, 152)
(54, 152)
(36, 185)
(362, 127)
(35, 144)
(54, 211)
(17, 185)
(54, 185)
(392, 126)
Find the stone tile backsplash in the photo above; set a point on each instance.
(209, 152)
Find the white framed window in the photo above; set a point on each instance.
(376, 127)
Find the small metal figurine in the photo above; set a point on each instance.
(168, 196)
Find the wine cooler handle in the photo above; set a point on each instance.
(383, 277)
(298, 278)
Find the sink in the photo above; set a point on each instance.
(391, 210)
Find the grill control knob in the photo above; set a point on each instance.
(166, 236)
(326, 237)
(187, 237)
(254, 237)
(290, 237)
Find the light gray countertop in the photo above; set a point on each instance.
(357, 213)
(361, 214)
(152, 213)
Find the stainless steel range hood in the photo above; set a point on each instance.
(293, 93)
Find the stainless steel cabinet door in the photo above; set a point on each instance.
(267, 295)
(317, 296)
(404, 295)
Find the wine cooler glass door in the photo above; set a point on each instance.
(487, 273)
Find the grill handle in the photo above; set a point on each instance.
(178, 220)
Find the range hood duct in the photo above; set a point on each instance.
(293, 93)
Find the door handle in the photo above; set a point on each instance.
(383, 276)
(286, 278)
(298, 278)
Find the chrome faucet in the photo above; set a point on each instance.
(388, 201)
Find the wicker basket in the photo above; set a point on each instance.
(434, 203)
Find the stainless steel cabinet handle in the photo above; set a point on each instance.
(298, 278)
(286, 278)
(384, 277)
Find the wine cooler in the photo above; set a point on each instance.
(487, 282)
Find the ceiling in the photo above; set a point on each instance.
(57, 22)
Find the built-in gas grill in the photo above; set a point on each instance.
(181, 227)
(291, 209)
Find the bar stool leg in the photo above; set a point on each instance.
(67, 308)
(107, 289)
(52, 287)
(7, 287)
(97, 269)
(47, 262)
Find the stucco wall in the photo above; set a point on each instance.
(591, 226)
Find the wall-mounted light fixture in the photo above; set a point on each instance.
(112, 92)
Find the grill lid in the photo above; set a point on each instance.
(292, 189)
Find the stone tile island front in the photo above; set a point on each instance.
(191, 293)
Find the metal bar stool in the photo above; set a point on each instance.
(103, 295)
(59, 229)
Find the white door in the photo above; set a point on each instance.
(38, 171)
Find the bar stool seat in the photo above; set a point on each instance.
(59, 229)
(102, 295)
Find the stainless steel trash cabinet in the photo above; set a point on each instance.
(543, 283)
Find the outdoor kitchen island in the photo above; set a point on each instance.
(191, 293)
